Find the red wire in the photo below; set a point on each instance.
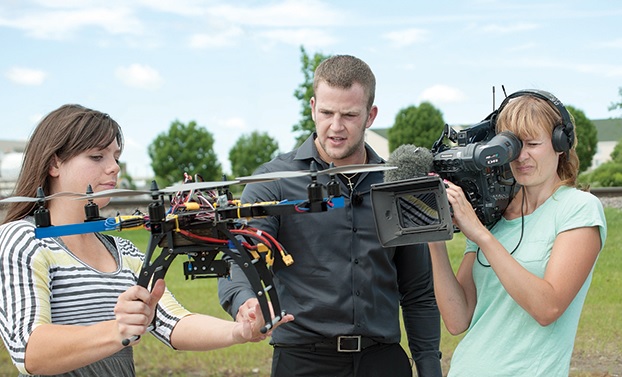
(203, 238)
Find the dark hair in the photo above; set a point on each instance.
(342, 71)
(64, 133)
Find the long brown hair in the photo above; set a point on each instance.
(64, 133)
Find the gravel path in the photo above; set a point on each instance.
(614, 201)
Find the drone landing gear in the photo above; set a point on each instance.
(204, 264)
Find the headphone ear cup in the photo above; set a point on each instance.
(563, 138)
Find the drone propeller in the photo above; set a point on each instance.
(346, 169)
(197, 186)
(357, 168)
(29, 199)
(111, 193)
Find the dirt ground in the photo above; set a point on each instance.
(585, 364)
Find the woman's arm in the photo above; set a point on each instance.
(545, 299)
(455, 294)
(199, 332)
(72, 347)
(572, 258)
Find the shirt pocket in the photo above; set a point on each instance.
(534, 255)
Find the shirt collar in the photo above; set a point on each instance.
(308, 151)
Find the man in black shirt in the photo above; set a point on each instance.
(344, 289)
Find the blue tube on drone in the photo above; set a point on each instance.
(338, 202)
(69, 229)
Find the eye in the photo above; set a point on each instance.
(96, 157)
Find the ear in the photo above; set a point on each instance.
(312, 103)
(373, 112)
(53, 169)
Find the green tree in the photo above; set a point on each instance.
(420, 126)
(250, 151)
(184, 149)
(587, 135)
(616, 105)
(608, 174)
(616, 154)
(304, 92)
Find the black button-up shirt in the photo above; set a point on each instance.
(342, 281)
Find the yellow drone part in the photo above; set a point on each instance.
(192, 206)
(125, 219)
(254, 253)
(287, 258)
(176, 218)
(262, 248)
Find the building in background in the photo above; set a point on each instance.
(11, 154)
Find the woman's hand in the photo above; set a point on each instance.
(250, 320)
(135, 310)
(464, 216)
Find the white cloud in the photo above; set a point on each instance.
(442, 94)
(310, 38)
(406, 37)
(505, 29)
(65, 23)
(219, 39)
(596, 69)
(523, 47)
(232, 124)
(26, 76)
(139, 76)
(288, 13)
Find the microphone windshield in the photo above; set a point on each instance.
(411, 162)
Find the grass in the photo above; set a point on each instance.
(597, 347)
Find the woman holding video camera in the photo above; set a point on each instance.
(522, 283)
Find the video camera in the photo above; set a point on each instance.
(480, 165)
(416, 210)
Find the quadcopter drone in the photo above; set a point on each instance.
(203, 221)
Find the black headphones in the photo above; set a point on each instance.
(563, 134)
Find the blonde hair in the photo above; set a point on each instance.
(527, 117)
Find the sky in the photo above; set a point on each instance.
(233, 66)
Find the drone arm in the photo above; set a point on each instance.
(111, 223)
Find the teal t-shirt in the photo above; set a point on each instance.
(503, 339)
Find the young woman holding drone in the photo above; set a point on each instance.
(69, 302)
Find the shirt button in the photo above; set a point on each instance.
(358, 293)
(356, 261)
(354, 230)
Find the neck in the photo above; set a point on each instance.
(358, 157)
(533, 199)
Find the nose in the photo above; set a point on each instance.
(336, 122)
(113, 167)
(523, 155)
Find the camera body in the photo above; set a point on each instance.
(480, 165)
(413, 207)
